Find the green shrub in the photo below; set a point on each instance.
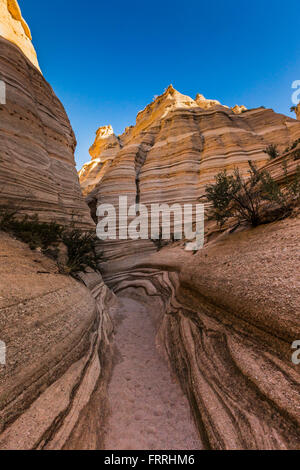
(30, 230)
(272, 151)
(256, 200)
(81, 245)
(81, 250)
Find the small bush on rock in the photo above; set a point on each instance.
(256, 200)
(272, 151)
(50, 237)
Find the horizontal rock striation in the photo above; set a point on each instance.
(175, 149)
(56, 332)
(37, 143)
(228, 315)
(14, 28)
(103, 152)
(227, 318)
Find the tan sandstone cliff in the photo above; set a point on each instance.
(103, 152)
(227, 316)
(37, 143)
(55, 329)
(177, 147)
(14, 28)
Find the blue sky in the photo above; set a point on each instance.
(106, 60)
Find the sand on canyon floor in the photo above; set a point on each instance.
(148, 409)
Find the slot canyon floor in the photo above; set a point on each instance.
(148, 410)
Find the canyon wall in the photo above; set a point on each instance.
(14, 28)
(175, 149)
(37, 143)
(56, 330)
(226, 316)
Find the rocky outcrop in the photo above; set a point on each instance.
(37, 143)
(55, 329)
(228, 317)
(175, 149)
(14, 28)
(103, 152)
(56, 332)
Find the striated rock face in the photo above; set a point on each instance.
(175, 149)
(103, 152)
(228, 315)
(14, 28)
(239, 109)
(37, 143)
(57, 335)
(56, 330)
(228, 318)
(298, 111)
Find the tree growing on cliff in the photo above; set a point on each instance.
(256, 200)
(272, 151)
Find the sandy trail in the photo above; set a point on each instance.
(148, 408)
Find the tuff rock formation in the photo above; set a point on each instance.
(227, 318)
(103, 151)
(228, 315)
(175, 149)
(56, 330)
(14, 28)
(37, 143)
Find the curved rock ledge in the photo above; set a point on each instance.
(56, 332)
(175, 149)
(227, 318)
(37, 143)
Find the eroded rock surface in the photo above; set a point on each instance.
(37, 143)
(14, 28)
(103, 152)
(229, 316)
(175, 149)
(56, 332)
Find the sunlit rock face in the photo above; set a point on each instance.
(239, 109)
(37, 143)
(175, 149)
(298, 111)
(14, 28)
(103, 152)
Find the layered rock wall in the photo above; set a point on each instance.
(56, 332)
(103, 152)
(228, 315)
(37, 143)
(14, 28)
(175, 149)
(227, 318)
